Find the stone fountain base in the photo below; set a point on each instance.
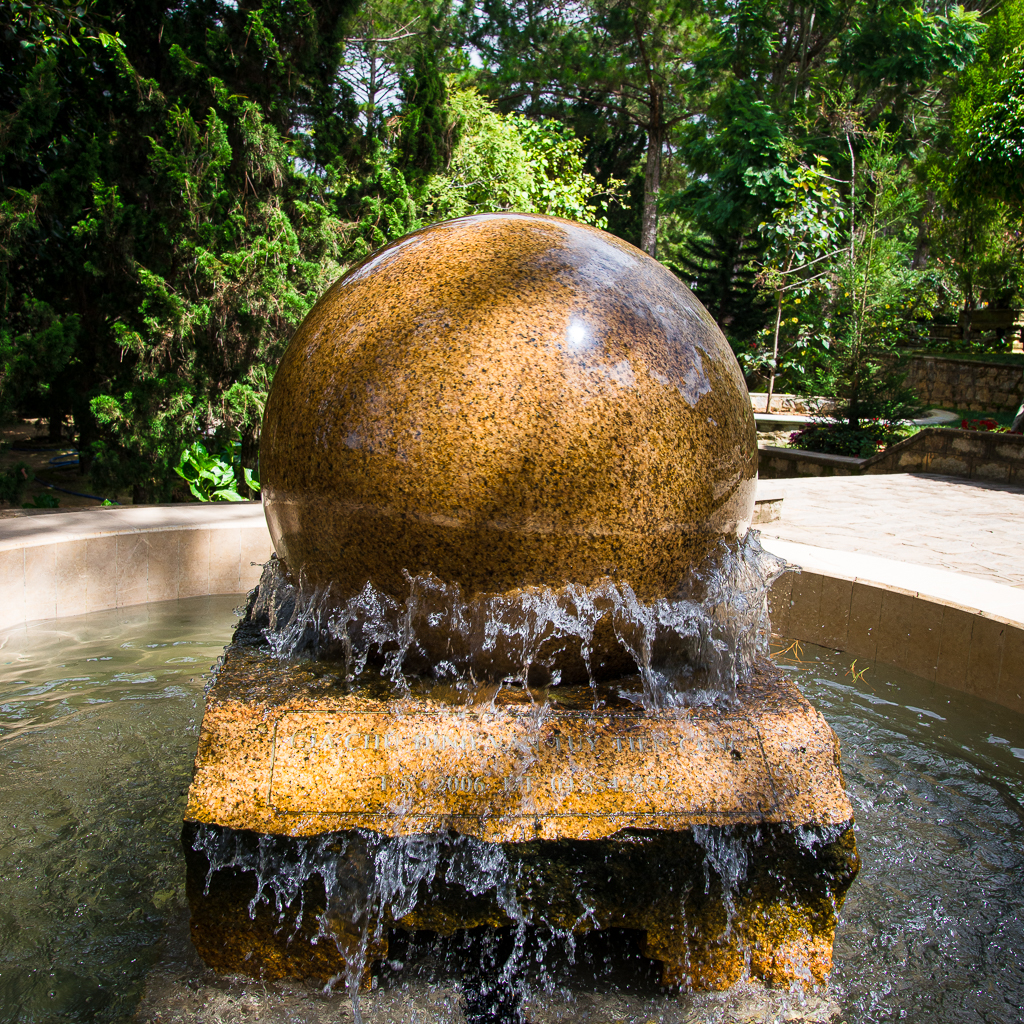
(722, 837)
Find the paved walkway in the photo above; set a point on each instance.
(940, 522)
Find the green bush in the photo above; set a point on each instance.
(14, 482)
(841, 439)
(212, 477)
(44, 500)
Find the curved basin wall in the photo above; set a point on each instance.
(955, 630)
(69, 563)
(58, 564)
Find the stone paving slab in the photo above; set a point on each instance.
(963, 526)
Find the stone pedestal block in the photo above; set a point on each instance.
(723, 835)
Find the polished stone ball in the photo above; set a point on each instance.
(506, 400)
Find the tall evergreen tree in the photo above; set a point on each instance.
(719, 269)
(160, 234)
(427, 135)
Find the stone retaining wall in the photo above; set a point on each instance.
(782, 463)
(941, 382)
(966, 384)
(973, 454)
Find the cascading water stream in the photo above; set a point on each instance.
(100, 723)
(692, 648)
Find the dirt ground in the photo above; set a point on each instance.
(27, 441)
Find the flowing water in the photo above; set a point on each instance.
(692, 647)
(98, 723)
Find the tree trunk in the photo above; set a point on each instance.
(652, 181)
(249, 459)
(775, 351)
(965, 327)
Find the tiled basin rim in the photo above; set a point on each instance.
(955, 630)
(74, 562)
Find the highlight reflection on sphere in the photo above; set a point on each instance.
(505, 401)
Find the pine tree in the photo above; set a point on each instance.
(427, 135)
(718, 267)
(161, 230)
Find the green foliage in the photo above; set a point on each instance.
(873, 289)
(997, 150)
(559, 183)
(785, 86)
(43, 25)
(861, 442)
(489, 170)
(14, 481)
(43, 500)
(179, 182)
(802, 242)
(382, 201)
(839, 269)
(509, 162)
(212, 477)
(185, 217)
(36, 356)
(975, 223)
(427, 132)
(902, 42)
(632, 65)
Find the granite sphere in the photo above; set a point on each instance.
(506, 400)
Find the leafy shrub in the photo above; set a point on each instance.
(44, 500)
(841, 439)
(211, 477)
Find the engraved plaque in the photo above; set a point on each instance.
(298, 762)
(510, 765)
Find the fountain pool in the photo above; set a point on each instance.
(99, 717)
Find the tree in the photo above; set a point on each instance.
(720, 268)
(972, 175)
(509, 162)
(388, 41)
(782, 84)
(627, 61)
(873, 285)
(161, 228)
(428, 134)
(802, 240)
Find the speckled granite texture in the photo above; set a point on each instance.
(289, 749)
(506, 400)
(598, 815)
